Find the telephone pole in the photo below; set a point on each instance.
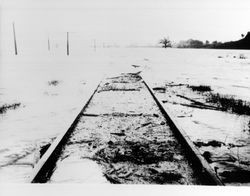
(14, 33)
(48, 44)
(68, 43)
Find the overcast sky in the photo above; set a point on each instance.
(128, 21)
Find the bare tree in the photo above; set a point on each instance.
(165, 42)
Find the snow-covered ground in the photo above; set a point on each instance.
(47, 110)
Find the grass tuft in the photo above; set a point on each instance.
(201, 88)
(6, 107)
(229, 103)
(53, 83)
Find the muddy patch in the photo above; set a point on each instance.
(141, 162)
(137, 152)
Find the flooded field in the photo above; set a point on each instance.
(50, 90)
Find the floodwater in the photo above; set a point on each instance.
(48, 108)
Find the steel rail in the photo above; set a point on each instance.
(200, 163)
(44, 168)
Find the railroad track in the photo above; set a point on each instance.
(124, 135)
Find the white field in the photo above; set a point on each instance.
(47, 111)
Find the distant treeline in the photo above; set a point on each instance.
(240, 44)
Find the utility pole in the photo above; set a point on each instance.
(48, 44)
(68, 43)
(14, 33)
